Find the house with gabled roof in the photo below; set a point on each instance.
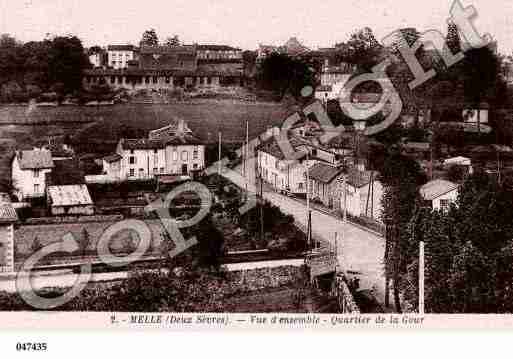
(29, 170)
(439, 194)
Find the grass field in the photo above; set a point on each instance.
(98, 129)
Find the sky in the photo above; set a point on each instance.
(242, 23)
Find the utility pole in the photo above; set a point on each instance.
(421, 278)
(219, 154)
(246, 151)
(309, 214)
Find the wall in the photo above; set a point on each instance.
(6, 250)
(165, 161)
(176, 156)
(119, 56)
(73, 210)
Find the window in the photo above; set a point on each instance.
(131, 152)
(175, 155)
(132, 172)
(132, 160)
(167, 79)
(141, 172)
(185, 155)
(195, 153)
(113, 79)
(155, 170)
(445, 204)
(300, 185)
(36, 173)
(147, 80)
(161, 169)
(195, 166)
(36, 188)
(155, 79)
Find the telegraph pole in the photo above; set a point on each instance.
(308, 212)
(421, 278)
(219, 154)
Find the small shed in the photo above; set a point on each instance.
(70, 200)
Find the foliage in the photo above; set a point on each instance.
(401, 177)
(361, 49)
(468, 251)
(28, 69)
(173, 41)
(149, 38)
(283, 74)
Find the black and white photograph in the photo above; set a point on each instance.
(230, 164)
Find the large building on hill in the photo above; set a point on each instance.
(170, 67)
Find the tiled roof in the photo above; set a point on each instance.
(7, 214)
(272, 147)
(437, 188)
(185, 139)
(112, 158)
(324, 173)
(141, 144)
(71, 195)
(163, 50)
(35, 159)
(120, 48)
(217, 48)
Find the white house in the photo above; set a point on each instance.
(7, 219)
(171, 150)
(363, 194)
(287, 174)
(29, 169)
(118, 56)
(439, 194)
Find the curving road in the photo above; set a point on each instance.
(360, 252)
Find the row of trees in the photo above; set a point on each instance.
(150, 38)
(29, 69)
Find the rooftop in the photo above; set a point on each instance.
(437, 188)
(35, 159)
(70, 195)
(324, 173)
(141, 144)
(112, 158)
(121, 48)
(217, 47)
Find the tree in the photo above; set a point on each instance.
(283, 74)
(401, 177)
(66, 62)
(453, 39)
(361, 49)
(173, 41)
(149, 38)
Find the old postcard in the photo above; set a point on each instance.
(268, 165)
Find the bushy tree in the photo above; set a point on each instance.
(149, 38)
